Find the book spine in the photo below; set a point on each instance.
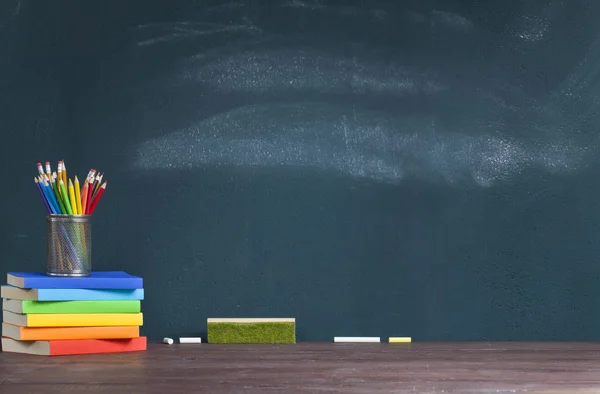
(82, 283)
(116, 306)
(90, 346)
(89, 294)
(84, 320)
(64, 333)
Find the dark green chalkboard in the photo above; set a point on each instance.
(381, 168)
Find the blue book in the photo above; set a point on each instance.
(17, 293)
(97, 280)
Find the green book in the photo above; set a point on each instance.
(26, 307)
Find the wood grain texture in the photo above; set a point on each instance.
(315, 367)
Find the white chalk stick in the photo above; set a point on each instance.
(357, 339)
(190, 340)
(168, 341)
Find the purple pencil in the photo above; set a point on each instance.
(37, 184)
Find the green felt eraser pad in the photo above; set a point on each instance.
(249, 330)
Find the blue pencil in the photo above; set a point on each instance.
(51, 201)
(52, 196)
(49, 197)
(37, 184)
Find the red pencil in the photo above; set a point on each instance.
(95, 202)
(89, 199)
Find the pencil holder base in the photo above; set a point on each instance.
(71, 273)
(69, 245)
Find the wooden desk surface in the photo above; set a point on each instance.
(314, 367)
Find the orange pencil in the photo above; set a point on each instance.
(64, 173)
(95, 202)
(86, 179)
(84, 197)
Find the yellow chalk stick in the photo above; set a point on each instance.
(400, 340)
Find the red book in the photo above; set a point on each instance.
(76, 346)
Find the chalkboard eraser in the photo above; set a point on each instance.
(357, 339)
(400, 340)
(252, 330)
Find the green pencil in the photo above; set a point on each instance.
(63, 210)
(66, 197)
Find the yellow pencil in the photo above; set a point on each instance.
(78, 196)
(72, 198)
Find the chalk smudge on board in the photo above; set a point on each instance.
(168, 32)
(450, 19)
(358, 144)
(534, 28)
(234, 5)
(471, 143)
(310, 5)
(309, 70)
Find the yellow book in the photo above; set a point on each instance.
(72, 319)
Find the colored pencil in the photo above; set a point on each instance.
(92, 175)
(48, 170)
(65, 196)
(52, 196)
(84, 196)
(87, 179)
(48, 193)
(78, 196)
(59, 172)
(57, 196)
(64, 173)
(72, 201)
(98, 196)
(37, 184)
(98, 183)
(90, 195)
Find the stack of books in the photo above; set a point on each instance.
(49, 315)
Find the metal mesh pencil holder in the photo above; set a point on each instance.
(69, 245)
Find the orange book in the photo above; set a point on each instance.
(77, 346)
(55, 333)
